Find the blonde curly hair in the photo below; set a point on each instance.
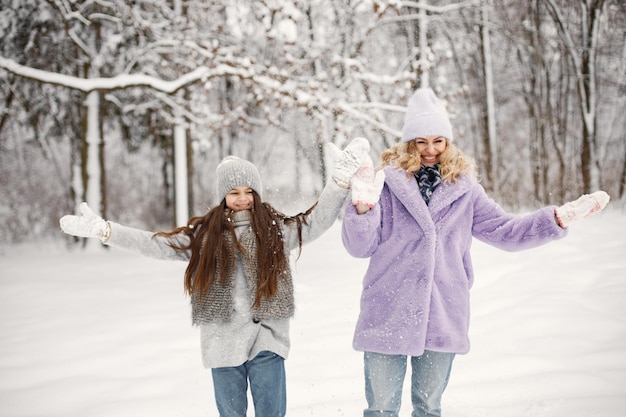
(453, 162)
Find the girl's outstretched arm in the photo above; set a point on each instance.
(89, 224)
(333, 197)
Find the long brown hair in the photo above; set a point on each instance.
(212, 253)
(453, 162)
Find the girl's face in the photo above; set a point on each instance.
(240, 198)
(430, 149)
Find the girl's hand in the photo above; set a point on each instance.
(88, 224)
(348, 161)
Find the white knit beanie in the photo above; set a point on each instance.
(426, 116)
(235, 172)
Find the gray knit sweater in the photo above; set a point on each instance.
(218, 302)
(233, 341)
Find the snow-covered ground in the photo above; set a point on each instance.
(107, 333)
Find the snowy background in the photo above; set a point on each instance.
(106, 333)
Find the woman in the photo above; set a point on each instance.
(238, 275)
(417, 227)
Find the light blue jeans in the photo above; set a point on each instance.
(266, 373)
(384, 376)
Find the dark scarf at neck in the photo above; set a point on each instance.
(428, 178)
(217, 303)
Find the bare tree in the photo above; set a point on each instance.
(581, 45)
(273, 81)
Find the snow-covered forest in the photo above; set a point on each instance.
(130, 105)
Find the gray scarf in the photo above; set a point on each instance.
(217, 303)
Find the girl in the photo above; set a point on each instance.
(238, 275)
(415, 220)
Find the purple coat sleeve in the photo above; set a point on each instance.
(510, 232)
(361, 238)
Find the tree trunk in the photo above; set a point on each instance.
(490, 116)
(583, 57)
(423, 73)
(92, 157)
(180, 174)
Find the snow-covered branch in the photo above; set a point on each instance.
(299, 93)
(440, 9)
(114, 83)
(437, 10)
(346, 107)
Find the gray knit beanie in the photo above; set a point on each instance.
(235, 172)
(426, 116)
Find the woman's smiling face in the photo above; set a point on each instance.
(430, 149)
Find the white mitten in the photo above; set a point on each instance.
(367, 184)
(88, 224)
(348, 161)
(584, 206)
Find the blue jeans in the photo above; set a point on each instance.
(384, 376)
(266, 373)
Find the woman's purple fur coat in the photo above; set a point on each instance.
(416, 289)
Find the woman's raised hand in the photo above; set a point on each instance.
(366, 186)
